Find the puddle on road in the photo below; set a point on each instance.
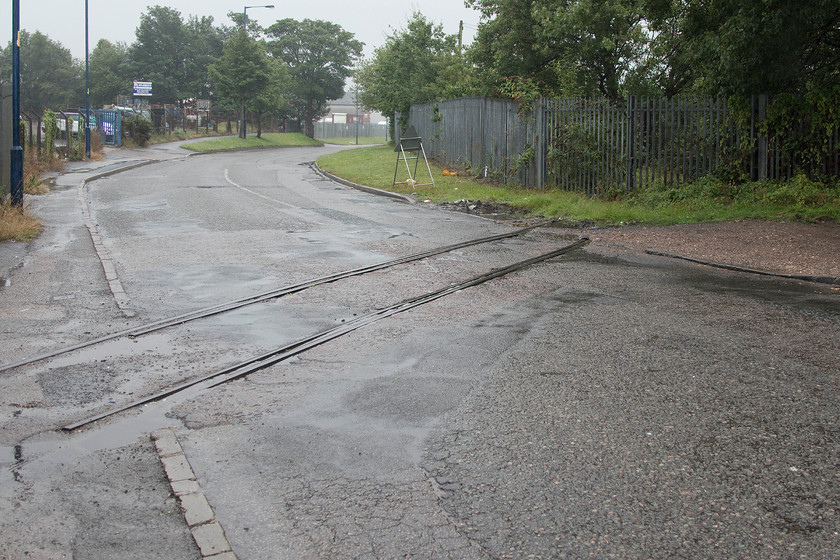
(116, 348)
(168, 228)
(807, 297)
(41, 456)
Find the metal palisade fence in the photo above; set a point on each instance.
(597, 146)
(488, 136)
(338, 130)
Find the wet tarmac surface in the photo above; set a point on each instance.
(590, 406)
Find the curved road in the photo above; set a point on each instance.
(594, 405)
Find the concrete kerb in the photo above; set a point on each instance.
(114, 284)
(206, 530)
(364, 188)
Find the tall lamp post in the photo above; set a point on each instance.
(242, 129)
(87, 84)
(16, 163)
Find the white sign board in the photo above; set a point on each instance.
(142, 89)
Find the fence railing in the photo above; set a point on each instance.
(597, 146)
(486, 135)
(339, 130)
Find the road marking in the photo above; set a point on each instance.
(228, 179)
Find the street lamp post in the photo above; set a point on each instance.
(242, 130)
(87, 83)
(16, 163)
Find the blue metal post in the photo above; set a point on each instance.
(87, 84)
(16, 151)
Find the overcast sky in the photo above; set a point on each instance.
(371, 20)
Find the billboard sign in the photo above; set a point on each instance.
(142, 89)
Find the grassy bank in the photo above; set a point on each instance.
(274, 139)
(706, 200)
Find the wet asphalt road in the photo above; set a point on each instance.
(598, 405)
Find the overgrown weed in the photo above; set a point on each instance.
(17, 224)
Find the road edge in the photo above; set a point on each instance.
(198, 513)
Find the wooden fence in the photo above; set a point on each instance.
(598, 147)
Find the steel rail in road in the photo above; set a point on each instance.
(278, 355)
(265, 296)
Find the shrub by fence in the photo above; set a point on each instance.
(599, 147)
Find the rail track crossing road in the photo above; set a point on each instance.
(333, 374)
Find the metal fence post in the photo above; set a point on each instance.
(630, 151)
(761, 144)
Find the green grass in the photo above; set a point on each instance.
(363, 140)
(274, 139)
(706, 200)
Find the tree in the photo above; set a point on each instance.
(579, 47)
(204, 44)
(271, 99)
(763, 46)
(417, 64)
(244, 71)
(319, 56)
(506, 43)
(49, 77)
(158, 54)
(109, 73)
(667, 66)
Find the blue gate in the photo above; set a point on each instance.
(109, 125)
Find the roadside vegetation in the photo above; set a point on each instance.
(17, 224)
(706, 200)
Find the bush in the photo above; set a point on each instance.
(138, 128)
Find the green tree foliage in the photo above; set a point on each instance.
(602, 39)
(271, 99)
(762, 46)
(244, 71)
(49, 76)
(109, 73)
(320, 56)
(204, 44)
(157, 55)
(417, 64)
(506, 43)
(572, 47)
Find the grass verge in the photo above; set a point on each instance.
(274, 139)
(17, 224)
(705, 200)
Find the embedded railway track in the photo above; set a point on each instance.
(277, 355)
